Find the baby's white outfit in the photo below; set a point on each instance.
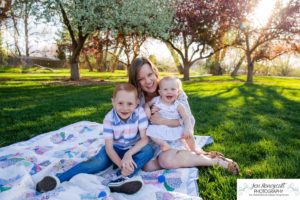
(162, 131)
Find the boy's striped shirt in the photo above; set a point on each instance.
(124, 134)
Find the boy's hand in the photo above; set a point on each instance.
(127, 165)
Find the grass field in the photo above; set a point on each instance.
(257, 125)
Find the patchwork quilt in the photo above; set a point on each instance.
(23, 164)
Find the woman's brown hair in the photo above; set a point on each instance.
(135, 68)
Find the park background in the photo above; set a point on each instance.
(239, 61)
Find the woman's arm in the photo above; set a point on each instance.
(157, 119)
(148, 109)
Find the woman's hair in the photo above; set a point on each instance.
(125, 87)
(135, 68)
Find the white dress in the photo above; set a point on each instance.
(162, 131)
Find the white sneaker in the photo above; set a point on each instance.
(126, 185)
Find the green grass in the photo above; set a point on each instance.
(257, 125)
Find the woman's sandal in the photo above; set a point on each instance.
(213, 154)
(232, 166)
(210, 154)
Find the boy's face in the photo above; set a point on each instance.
(168, 90)
(124, 103)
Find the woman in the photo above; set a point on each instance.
(145, 77)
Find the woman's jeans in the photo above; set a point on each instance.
(101, 161)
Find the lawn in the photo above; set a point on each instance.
(257, 125)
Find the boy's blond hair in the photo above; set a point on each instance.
(125, 87)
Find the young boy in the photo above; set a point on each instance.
(126, 145)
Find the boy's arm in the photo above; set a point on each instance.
(142, 126)
(108, 132)
(127, 163)
(112, 154)
(139, 145)
(186, 120)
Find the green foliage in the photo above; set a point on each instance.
(143, 17)
(256, 125)
(153, 59)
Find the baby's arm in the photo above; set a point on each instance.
(188, 130)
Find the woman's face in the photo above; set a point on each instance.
(147, 79)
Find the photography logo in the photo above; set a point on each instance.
(273, 189)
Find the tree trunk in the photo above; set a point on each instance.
(237, 67)
(87, 61)
(216, 68)
(26, 29)
(250, 62)
(186, 72)
(74, 60)
(175, 58)
(250, 71)
(75, 75)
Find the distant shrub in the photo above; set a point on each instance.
(29, 61)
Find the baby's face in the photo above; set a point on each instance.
(168, 90)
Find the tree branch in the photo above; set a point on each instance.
(67, 23)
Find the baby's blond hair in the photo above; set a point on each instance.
(172, 78)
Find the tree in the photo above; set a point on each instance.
(25, 9)
(262, 42)
(4, 10)
(80, 18)
(5, 6)
(84, 17)
(144, 19)
(199, 29)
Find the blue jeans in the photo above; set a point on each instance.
(101, 161)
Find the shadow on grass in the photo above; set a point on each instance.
(257, 126)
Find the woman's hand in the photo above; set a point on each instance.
(156, 118)
(154, 109)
